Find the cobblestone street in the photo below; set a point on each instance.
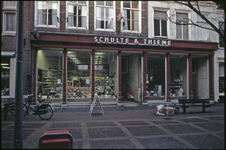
(127, 128)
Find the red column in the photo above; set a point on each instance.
(93, 74)
(144, 75)
(211, 78)
(64, 75)
(190, 77)
(34, 79)
(119, 78)
(168, 78)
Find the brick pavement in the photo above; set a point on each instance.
(127, 128)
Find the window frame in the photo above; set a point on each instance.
(36, 15)
(95, 16)
(218, 75)
(160, 24)
(202, 23)
(87, 15)
(139, 14)
(182, 27)
(219, 35)
(8, 9)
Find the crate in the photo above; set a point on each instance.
(169, 111)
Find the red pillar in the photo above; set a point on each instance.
(190, 77)
(92, 74)
(168, 78)
(119, 78)
(34, 79)
(144, 75)
(211, 78)
(64, 75)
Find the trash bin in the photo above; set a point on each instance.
(56, 139)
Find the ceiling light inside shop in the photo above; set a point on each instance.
(5, 67)
(4, 64)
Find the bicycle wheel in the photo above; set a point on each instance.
(46, 112)
(25, 110)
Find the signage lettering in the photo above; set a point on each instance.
(112, 40)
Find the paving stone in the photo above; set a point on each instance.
(165, 122)
(145, 131)
(207, 141)
(220, 118)
(188, 120)
(5, 124)
(7, 145)
(125, 123)
(112, 144)
(76, 133)
(161, 143)
(66, 125)
(77, 145)
(178, 129)
(105, 132)
(99, 124)
(212, 126)
(7, 135)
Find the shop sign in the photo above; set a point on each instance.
(129, 41)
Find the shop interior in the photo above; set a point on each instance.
(106, 75)
(178, 76)
(155, 78)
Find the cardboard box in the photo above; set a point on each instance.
(169, 111)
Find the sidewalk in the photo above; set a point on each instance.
(127, 128)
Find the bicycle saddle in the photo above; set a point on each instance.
(40, 100)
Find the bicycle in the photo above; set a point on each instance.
(44, 111)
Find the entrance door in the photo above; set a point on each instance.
(124, 85)
(194, 85)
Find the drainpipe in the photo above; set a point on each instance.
(18, 120)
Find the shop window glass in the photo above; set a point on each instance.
(105, 74)
(104, 15)
(221, 77)
(78, 75)
(5, 75)
(182, 27)
(131, 15)
(178, 75)
(49, 66)
(155, 76)
(160, 26)
(77, 14)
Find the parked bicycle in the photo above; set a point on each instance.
(43, 110)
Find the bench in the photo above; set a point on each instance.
(8, 108)
(205, 103)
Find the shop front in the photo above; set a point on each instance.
(72, 69)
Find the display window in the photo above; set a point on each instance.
(5, 75)
(78, 75)
(155, 78)
(106, 74)
(178, 75)
(49, 64)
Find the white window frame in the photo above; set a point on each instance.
(87, 15)
(202, 23)
(182, 26)
(139, 14)
(160, 24)
(49, 26)
(95, 17)
(9, 9)
(219, 60)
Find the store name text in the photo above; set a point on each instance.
(112, 40)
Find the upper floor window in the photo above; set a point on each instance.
(47, 13)
(9, 17)
(221, 77)
(202, 34)
(132, 19)
(221, 40)
(160, 24)
(105, 15)
(182, 26)
(77, 14)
